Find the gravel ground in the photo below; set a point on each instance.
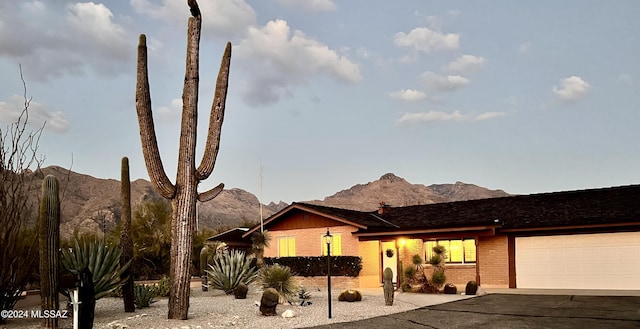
(213, 309)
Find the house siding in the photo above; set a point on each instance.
(370, 276)
(309, 241)
(493, 256)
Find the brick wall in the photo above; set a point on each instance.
(315, 283)
(456, 274)
(493, 257)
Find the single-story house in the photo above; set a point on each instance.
(585, 239)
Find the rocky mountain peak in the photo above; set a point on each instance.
(392, 178)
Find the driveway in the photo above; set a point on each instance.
(514, 311)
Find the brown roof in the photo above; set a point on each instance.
(582, 208)
(614, 205)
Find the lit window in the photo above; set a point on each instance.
(458, 251)
(286, 246)
(336, 245)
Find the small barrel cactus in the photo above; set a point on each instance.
(450, 289)
(388, 286)
(269, 302)
(240, 292)
(350, 295)
(471, 288)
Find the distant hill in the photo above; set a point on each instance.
(396, 191)
(92, 204)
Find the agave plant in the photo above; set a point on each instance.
(143, 295)
(279, 278)
(102, 260)
(230, 269)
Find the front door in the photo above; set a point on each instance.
(389, 258)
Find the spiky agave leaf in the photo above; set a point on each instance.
(229, 270)
(102, 260)
(280, 278)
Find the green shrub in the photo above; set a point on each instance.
(279, 278)
(416, 260)
(161, 288)
(435, 260)
(143, 295)
(317, 265)
(229, 270)
(438, 278)
(409, 272)
(102, 260)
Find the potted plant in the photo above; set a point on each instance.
(389, 252)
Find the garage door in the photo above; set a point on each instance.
(583, 261)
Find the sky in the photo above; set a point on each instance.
(524, 96)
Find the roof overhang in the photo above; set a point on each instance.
(600, 227)
(487, 230)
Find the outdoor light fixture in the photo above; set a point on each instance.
(328, 238)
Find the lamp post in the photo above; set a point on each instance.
(328, 238)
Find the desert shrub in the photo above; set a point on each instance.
(229, 270)
(438, 278)
(409, 272)
(101, 259)
(161, 288)
(143, 295)
(317, 265)
(279, 278)
(417, 261)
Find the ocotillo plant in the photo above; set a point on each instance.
(125, 238)
(183, 194)
(49, 242)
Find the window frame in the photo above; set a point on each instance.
(428, 252)
(288, 239)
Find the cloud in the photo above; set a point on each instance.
(425, 40)
(571, 88)
(439, 116)
(171, 113)
(223, 18)
(310, 5)
(409, 95)
(466, 63)
(88, 37)
(525, 47)
(38, 114)
(279, 59)
(444, 83)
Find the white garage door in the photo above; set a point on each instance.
(583, 261)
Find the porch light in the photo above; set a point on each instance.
(328, 238)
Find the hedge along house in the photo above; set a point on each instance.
(587, 239)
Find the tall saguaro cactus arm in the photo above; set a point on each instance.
(147, 130)
(183, 193)
(217, 116)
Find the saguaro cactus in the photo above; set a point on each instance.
(125, 238)
(49, 243)
(183, 194)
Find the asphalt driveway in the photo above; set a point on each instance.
(514, 311)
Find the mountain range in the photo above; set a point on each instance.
(92, 204)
